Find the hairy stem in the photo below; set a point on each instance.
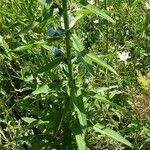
(67, 139)
(67, 38)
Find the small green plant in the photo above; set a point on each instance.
(144, 82)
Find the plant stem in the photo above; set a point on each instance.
(67, 38)
(67, 139)
(106, 29)
(106, 48)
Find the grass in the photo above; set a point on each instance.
(84, 95)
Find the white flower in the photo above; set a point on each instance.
(124, 56)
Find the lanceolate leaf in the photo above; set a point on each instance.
(30, 46)
(111, 133)
(34, 122)
(84, 11)
(77, 43)
(80, 48)
(100, 62)
(28, 119)
(76, 19)
(81, 53)
(99, 12)
(87, 64)
(43, 89)
(81, 123)
(91, 9)
(80, 136)
(49, 66)
(79, 108)
(80, 139)
(106, 101)
(45, 68)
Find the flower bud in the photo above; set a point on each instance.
(57, 52)
(54, 32)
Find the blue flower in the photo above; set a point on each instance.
(54, 32)
(57, 52)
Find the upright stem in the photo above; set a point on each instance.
(67, 139)
(67, 38)
(106, 49)
(106, 29)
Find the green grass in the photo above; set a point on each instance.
(84, 97)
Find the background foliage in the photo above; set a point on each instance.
(82, 86)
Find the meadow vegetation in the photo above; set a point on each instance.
(74, 74)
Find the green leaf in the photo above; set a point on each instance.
(80, 139)
(81, 114)
(75, 20)
(79, 108)
(91, 9)
(34, 122)
(43, 89)
(88, 65)
(111, 133)
(99, 12)
(29, 78)
(84, 11)
(30, 46)
(106, 101)
(77, 43)
(80, 48)
(100, 62)
(80, 136)
(81, 123)
(54, 63)
(28, 119)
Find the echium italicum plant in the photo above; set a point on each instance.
(73, 122)
(62, 119)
